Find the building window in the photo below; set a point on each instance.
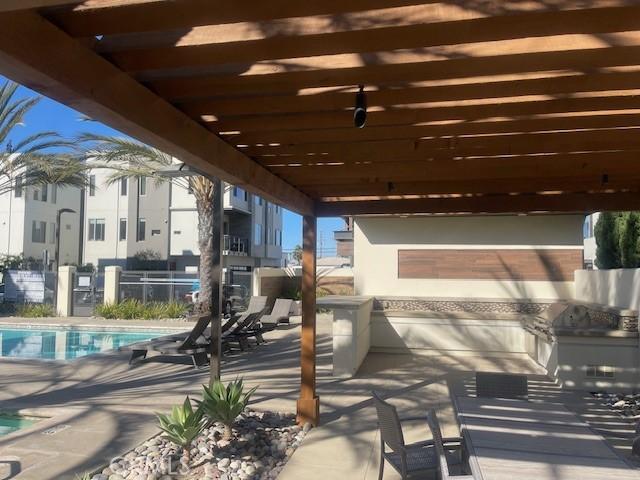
(277, 209)
(45, 193)
(142, 186)
(155, 233)
(38, 232)
(92, 185)
(36, 194)
(277, 237)
(96, 229)
(123, 229)
(124, 183)
(246, 196)
(269, 236)
(54, 193)
(142, 229)
(52, 232)
(258, 200)
(18, 189)
(587, 228)
(235, 191)
(258, 234)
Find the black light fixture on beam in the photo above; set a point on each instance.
(360, 113)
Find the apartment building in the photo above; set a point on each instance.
(141, 220)
(28, 223)
(588, 232)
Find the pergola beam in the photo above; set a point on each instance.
(13, 5)
(282, 80)
(504, 28)
(580, 183)
(596, 122)
(561, 203)
(36, 54)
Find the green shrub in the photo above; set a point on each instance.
(131, 309)
(182, 425)
(224, 404)
(35, 310)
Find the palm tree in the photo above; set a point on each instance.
(127, 158)
(39, 159)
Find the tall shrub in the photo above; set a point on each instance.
(607, 241)
(630, 234)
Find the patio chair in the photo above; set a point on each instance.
(192, 344)
(412, 460)
(279, 314)
(245, 329)
(256, 304)
(441, 451)
(501, 385)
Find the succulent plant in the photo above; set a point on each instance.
(224, 404)
(182, 425)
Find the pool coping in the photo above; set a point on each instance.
(96, 327)
(51, 417)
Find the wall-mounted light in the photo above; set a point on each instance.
(360, 113)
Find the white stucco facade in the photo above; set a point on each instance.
(168, 212)
(24, 213)
(377, 241)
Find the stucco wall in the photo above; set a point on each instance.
(284, 282)
(378, 239)
(618, 288)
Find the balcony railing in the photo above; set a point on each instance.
(235, 245)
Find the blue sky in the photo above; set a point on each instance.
(51, 115)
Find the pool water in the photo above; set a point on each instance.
(65, 344)
(10, 423)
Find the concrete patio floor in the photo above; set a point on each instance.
(109, 408)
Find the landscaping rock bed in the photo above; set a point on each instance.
(262, 443)
(626, 405)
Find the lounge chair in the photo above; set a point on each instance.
(501, 385)
(414, 460)
(244, 330)
(279, 313)
(192, 344)
(444, 453)
(256, 304)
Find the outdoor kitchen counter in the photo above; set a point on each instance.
(351, 331)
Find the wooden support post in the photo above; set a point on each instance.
(216, 281)
(308, 403)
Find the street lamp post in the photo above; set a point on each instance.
(57, 254)
(183, 170)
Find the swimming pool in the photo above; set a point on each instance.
(65, 343)
(10, 422)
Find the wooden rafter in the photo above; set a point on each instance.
(36, 54)
(583, 202)
(385, 39)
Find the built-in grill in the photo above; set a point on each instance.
(574, 318)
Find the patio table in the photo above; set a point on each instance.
(527, 440)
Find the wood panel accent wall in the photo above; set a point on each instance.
(490, 264)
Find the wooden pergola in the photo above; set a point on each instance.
(479, 106)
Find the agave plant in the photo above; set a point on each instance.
(182, 426)
(224, 404)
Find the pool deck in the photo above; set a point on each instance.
(103, 408)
